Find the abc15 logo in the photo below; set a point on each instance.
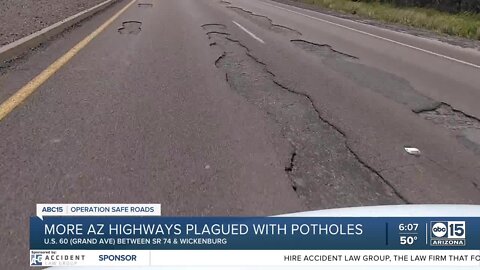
(448, 229)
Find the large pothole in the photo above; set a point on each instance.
(324, 171)
(466, 127)
(130, 28)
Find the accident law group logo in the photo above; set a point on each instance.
(56, 258)
(36, 260)
(447, 233)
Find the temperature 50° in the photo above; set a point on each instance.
(408, 239)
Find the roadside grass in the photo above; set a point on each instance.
(464, 24)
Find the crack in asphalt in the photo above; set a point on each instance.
(322, 49)
(264, 21)
(219, 25)
(322, 167)
(218, 33)
(290, 166)
(357, 157)
(220, 58)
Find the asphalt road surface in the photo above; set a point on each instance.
(235, 108)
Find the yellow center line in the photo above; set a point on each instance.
(23, 93)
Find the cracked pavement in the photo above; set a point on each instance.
(323, 169)
(237, 108)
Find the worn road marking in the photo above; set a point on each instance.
(23, 93)
(248, 32)
(375, 36)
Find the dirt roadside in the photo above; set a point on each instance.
(20, 18)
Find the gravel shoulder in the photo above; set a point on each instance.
(20, 18)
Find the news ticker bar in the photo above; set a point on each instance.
(99, 258)
(254, 233)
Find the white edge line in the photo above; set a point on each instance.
(51, 28)
(248, 32)
(375, 36)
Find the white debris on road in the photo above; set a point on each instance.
(413, 151)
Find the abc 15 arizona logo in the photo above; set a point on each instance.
(448, 233)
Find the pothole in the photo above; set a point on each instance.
(145, 5)
(130, 28)
(466, 127)
(446, 116)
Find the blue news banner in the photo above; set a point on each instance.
(253, 233)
